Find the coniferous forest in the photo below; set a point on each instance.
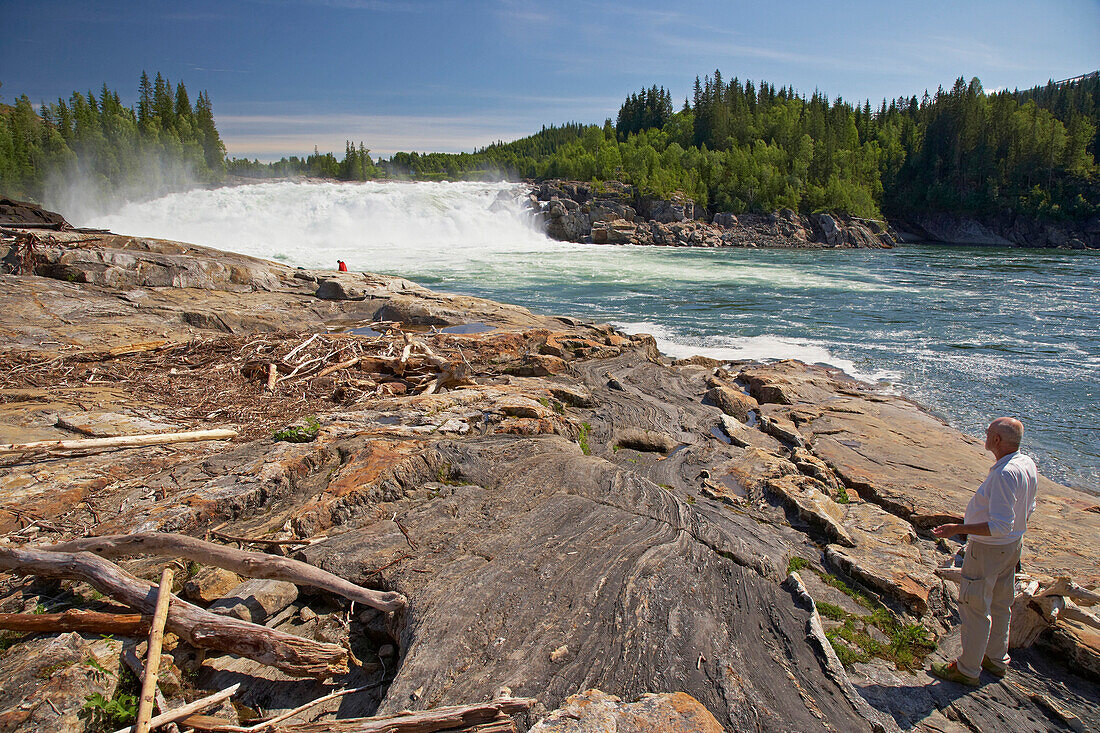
(165, 142)
(733, 146)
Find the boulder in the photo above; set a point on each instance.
(809, 499)
(725, 219)
(617, 231)
(209, 584)
(666, 211)
(14, 213)
(45, 682)
(256, 599)
(731, 401)
(610, 210)
(830, 230)
(593, 711)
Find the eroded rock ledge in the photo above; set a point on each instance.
(574, 512)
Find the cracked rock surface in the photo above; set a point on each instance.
(572, 516)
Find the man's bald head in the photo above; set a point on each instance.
(1009, 430)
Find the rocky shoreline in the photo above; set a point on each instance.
(614, 213)
(629, 540)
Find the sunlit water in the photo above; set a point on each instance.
(971, 333)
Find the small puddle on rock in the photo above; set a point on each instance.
(719, 433)
(732, 484)
(754, 419)
(388, 420)
(365, 331)
(465, 328)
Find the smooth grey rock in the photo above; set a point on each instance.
(256, 599)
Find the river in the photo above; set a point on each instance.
(970, 333)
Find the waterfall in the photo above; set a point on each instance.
(400, 228)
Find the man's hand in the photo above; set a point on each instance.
(944, 531)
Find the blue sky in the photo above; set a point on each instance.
(450, 75)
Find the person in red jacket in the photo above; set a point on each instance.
(343, 266)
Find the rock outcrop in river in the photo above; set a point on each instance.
(629, 540)
(614, 213)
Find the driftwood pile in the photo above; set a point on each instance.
(156, 609)
(251, 381)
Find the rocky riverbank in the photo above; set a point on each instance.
(563, 507)
(614, 213)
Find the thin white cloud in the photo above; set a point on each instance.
(273, 136)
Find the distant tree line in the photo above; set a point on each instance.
(357, 165)
(166, 141)
(733, 146)
(743, 147)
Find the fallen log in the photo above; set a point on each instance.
(198, 627)
(486, 717)
(189, 709)
(243, 562)
(119, 441)
(85, 622)
(152, 658)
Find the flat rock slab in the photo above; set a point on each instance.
(110, 424)
(886, 557)
(918, 468)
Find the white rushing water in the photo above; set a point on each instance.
(452, 236)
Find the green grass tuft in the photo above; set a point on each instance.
(299, 433)
(797, 563)
(582, 438)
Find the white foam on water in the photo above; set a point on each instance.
(754, 348)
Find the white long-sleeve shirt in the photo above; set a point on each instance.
(1005, 500)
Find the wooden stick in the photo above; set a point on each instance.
(137, 348)
(300, 346)
(291, 713)
(88, 622)
(130, 658)
(255, 541)
(189, 709)
(405, 353)
(198, 627)
(481, 717)
(272, 375)
(120, 441)
(243, 562)
(152, 657)
(337, 367)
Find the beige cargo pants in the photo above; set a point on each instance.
(985, 604)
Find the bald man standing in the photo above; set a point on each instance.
(995, 522)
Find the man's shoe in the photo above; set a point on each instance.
(951, 673)
(993, 669)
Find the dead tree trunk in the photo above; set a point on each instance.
(292, 654)
(487, 717)
(87, 622)
(243, 562)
